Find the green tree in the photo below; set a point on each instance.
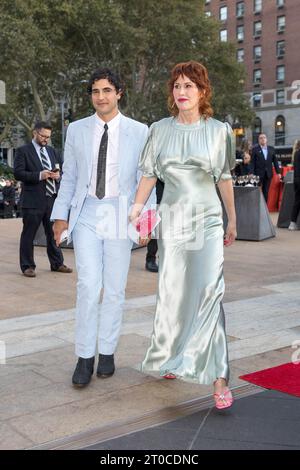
(145, 39)
(33, 53)
(48, 49)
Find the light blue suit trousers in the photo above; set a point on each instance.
(102, 261)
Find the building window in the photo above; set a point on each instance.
(257, 53)
(240, 9)
(280, 24)
(280, 130)
(256, 98)
(223, 35)
(240, 33)
(280, 99)
(280, 49)
(257, 76)
(257, 28)
(280, 3)
(257, 6)
(280, 73)
(207, 2)
(240, 54)
(257, 127)
(223, 13)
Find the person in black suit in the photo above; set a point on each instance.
(296, 207)
(9, 195)
(263, 157)
(245, 167)
(152, 248)
(34, 164)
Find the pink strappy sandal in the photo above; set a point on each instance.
(223, 400)
(169, 376)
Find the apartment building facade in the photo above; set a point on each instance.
(267, 37)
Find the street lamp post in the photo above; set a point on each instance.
(62, 113)
(2, 92)
(62, 109)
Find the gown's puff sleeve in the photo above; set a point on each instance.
(148, 161)
(229, 153)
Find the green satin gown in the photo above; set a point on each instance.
(188, 336)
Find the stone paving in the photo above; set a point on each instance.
(37, 402)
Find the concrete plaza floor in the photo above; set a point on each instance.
(40, 409)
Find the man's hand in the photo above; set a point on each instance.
(45, 174)
(58, 227)
(55, 175)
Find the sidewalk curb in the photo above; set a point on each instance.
(155, 418)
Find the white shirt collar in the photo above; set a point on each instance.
(38, 147)
(112, 124)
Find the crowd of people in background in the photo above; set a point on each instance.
(259, 159)
(249, 162)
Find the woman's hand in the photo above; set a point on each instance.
(230, 234)
(135, 212)
(134, 220)
(226, 190)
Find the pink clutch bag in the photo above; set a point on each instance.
(147, 222)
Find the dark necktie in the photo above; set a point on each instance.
(101, 167)
(50, 184)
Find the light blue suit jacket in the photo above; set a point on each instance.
(77, 166)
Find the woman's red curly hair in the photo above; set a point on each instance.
(198, 74)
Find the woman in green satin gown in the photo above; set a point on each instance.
(190, 152)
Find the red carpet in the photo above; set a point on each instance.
(284, 378)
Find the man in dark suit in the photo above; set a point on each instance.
(34, 165)
(263, 158)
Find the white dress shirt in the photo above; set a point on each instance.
(112, 158)
(265, 152)
(38, 151)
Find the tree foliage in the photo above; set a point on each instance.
(48, 50)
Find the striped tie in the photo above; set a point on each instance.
(50, 184)
(101, 168)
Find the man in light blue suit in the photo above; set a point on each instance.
(100, 177)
